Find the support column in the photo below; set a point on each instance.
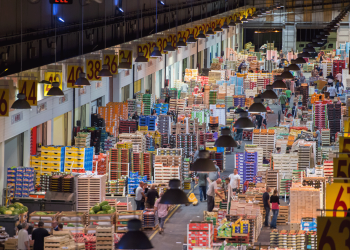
(289, 38)
(26, 148)
(2, 170)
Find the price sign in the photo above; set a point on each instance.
(112, 61)
(4, 102)
(93, 67)
(172, 40)
(337, 198)
(126, 54)
(161, 43)
(341, 168)
(73, 72)
(145, 48)
(30, 89)
(182, 34)
(52, 77)
(333, 233)
(344, 144)
(188, 32)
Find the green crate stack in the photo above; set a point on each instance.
(212, 97)
(139, 96)
(147, 104)
(229, 101)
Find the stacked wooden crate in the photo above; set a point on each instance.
(104, 238)
(272, 179)
(250, 148)
(78, 219)
(82, 139)
(57, 242)
(137, 139)
(283, 215)
(285, 163)
(122, 218)
(90, 190)
(265, 139)
(48, 218)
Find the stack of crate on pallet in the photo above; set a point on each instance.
(90, 190)
(51, 216)
(78, 158)
(147, 104)
(272, 179)
(82, 139)
(164, 123)
(104, 237)
(328, 169)
(265, 139)
(131, 106)
(250, 148)
(304, 156)
(58, 242)
(163, 174)
(78, 219)
(326, 137)
(122, 218)
(127, 126)
(137, 139)
(285, 163)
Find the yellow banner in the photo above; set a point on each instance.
(52, 77)
(161, 43)
(337, 198)
(112, 61)
(30, 89)
(73, 72)
(333, 233)
(126, 54)
(4, 102)
(93, 67)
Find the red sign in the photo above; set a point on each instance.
(61, 1)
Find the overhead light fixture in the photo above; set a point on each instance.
(156, 52)
(181, 43)
(263, 11)
(244, 122)
(326, 32)
(128, 241)
(60, 19)
(55, 90)
(286, 74)
(21, 102)
(279, 84)
(161, 2)
(323, 37)
(293, 66)
(174, 195)
(305, 54)
(299, 60)
(124, 64)
(141, 58)
(82, 81)
(104, 72)
(218, 28)
(203, 163)
(225, 26)
(225, 140)
(315, 44)
(121, 10)
(250, 18)
(232, 23)
(201, 35)
(244, 19)
(210, 32)
(257, 106)
(255, 15)
(269, 93)
(169, 47)
(44, 82)
(238, 21)
(191, 39)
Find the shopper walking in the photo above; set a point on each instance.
(162, 210)
(275, 202)
(288, 94)
(202, 185)
(301, 79)
(259, 120)
(23, 238)
(38, 236)
(235, 180)
(282, 100)
(212, 190)
(151, 196)
(139, 195)
(213, 176)
(332, 91)
(266, 201)
(264, 118)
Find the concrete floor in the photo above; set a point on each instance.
(176, 226)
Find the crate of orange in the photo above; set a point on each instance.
(271, 132)
(291, 138)
(256, 131)
(263, 131)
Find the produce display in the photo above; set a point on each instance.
(102, 208)
(13, 209)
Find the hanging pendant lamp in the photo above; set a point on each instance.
(244, 122)
(124, 64)
(210, 32)
(225, 140)
(244, 19)
(218, 28)
(326, 32)
(174, 195)
(238, 21)
(104, 72)
(304, 54)
(269, 93)
(259, 14)
(201, 35)
(299, 60)
(263, 11)
(55, 90)
(293, 66)
(156, 52)
(134, 238)
(257, 106)
(169, 47)
(250, 18)
(255, 15)
(232, 23)
(21, 102)
(181, 43)
(44, 82)
(286, 74)
(141, 58)
(225, 26)
(82, 81)
(191, 39)
(279, 84)
(203, 163)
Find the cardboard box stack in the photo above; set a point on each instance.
(22, 178)
(112, 113)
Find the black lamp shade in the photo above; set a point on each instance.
(286, 74)
(141, 58)
(181, 43)
(210, 32)
(169, 47)
(124, 64)
(225, 140)
(244, 19)
(21, 102)
(201, 35)
(238, 20)
(279, 84)
(174, 195)
(82, 81)
(55, 90)
(250, 18)
(257, 106)
(269, 93)
(293, 67)
(134, 238)
(218, 28)
(191, 39)
(232, 23)
(104, 72)
(156, 52)
(244, 122)
(203, 163)
(225, 26)
(305, 54)
(300, 60)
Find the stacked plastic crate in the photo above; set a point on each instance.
(239, 100)
(240, 164)
(119, 160)
(151, 122)
(131, 106)
(127, 126)
(147, 104)
(78, 159)
(250, 165)
(338, 66)
(212, 97)
(320, 117)
(334, 119)
(22, 180)
(163, 124)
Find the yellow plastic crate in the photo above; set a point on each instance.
(45, 172)
(46, 164)
(56, 164)
(75, 165)
(75, 154)
(211, 148)
(74, 159)
(35, 158)
(37, 168)
(45, 169)
(55, 169)
(35, 163)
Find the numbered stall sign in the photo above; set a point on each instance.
(4, 102)
(172, 40)
(333, 233)
(145, 48)
(341, 169)
(73, 72)
(337, 198)
(30, 89)
(52, 77)
(93, 67)
(126, 54)
(344, 144)
(112, 62)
